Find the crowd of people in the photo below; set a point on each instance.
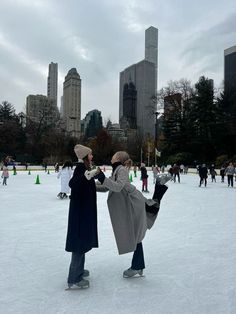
(225, 170)
(130, 212)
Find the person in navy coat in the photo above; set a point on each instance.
(82, 221)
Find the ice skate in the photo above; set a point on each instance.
(128, 273)
(63, 196)
(82, 284)
(59, 195)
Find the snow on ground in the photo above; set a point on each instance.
(190, 253)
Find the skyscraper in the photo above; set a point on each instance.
(151, 46)
(230, 90)
(52, 81)
(143, 76)
(72, 102)
(92, 123)
(230, 71)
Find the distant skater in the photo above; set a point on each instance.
(213, 174)
(222, 173)
(65, 174)
(5, 175)
(203, 175)
(144, 178)
(230, 171)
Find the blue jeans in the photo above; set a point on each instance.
(76, 268)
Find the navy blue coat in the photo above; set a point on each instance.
(82, 220)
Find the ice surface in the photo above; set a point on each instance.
(190, 253)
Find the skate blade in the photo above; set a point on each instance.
(135, 276)
(75, 287)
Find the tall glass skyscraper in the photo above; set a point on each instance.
(230, 69)
(139, 111)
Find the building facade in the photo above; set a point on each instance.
(143, 77)
(230, 75)
(129, 106)
(72, 103)
(117, 133)
(91, 124)
(41, 109)
(52, 81)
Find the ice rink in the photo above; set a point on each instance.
(190, 253)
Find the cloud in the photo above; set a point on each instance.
(101, 38)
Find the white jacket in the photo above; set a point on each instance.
(65, 175)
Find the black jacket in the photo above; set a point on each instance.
(203, 172)
(82, 220)
(144, 174)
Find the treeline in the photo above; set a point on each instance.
(39, 142)
(199, 128)
(199, 125)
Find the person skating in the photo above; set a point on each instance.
(144, 178)
(65, 174)
(155, 171)
(176, 171)
(202, 170)
(213, 174)
(82, 221)
(57, 167)
(222, 173)
(230, 171)
(5, 175)
(130, 212)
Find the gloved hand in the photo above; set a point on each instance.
(89, 174)
(101, 177)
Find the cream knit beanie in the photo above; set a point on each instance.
(82, 151)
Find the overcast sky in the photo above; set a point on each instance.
(102, 37)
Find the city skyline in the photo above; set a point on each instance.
(102, 38)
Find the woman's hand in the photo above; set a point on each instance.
(101, 177)
(89, 174)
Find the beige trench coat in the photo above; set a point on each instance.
(126, 205)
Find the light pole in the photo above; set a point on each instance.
(155, 146)
(156, 101)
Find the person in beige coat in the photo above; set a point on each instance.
(130, 212)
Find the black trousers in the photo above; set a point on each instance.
(138, 258)
(203, 180)
(176, 175)
(76, 268)
(230, 180)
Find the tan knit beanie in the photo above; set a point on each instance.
(82, 151)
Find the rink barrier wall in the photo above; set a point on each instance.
(51, 168)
